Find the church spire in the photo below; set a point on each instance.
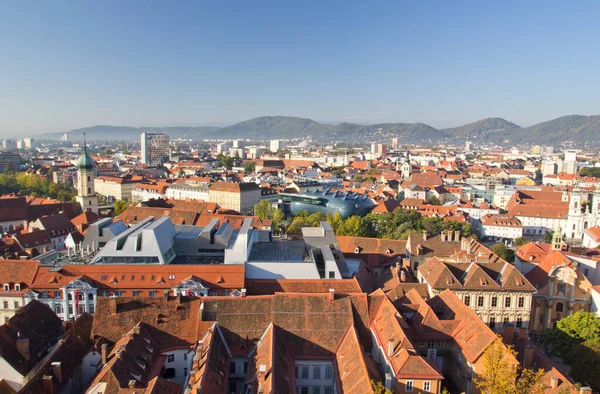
(84, 143)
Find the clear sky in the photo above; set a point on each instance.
(76, 63)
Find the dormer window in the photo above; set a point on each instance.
(357, 250)
(6, 287)
(18, 287)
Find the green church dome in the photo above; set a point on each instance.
(85, 162)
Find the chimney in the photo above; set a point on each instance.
(424, 235)
(104, 353)
(136, 329)
(119, 353)
(388, 381)
(585, 390)
(402, 276)
(554, 383)
(456, 236)
(112, 305)
(23, 348)
(243, 293)
(262, 369)
(508, 334)
(528, 356)
(57, 370)
(132, 383)
(331, 294)
(390, 347)
(48, 384)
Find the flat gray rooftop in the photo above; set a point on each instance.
(279, 251)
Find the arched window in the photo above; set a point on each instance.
(58, 309)
(90, 296)
(559, 306)
(81, 297)
(69, 296)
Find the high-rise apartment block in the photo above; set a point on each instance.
(275, 146)
(155, 148)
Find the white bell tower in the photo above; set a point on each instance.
(86, 195)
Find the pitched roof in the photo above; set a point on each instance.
(107, 276)
(135, 358)
(354, 369)
(234, 187)
(33, 239)
(13, 209)
(316, 332)
(172, 322)
(593, 233)
(531, 252)
(136, 214)
(18, 271)
(307, 286)
(386, 206)
(69, 353)
(34, 322)
(470, 332)
(56, 224)
(86, 217)
(374, 251)
(210, 367)
(473, 276)
(390, 329)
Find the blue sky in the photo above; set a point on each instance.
(70, 64)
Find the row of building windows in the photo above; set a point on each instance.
(303, 372)
(410, 386)
(15, 304)
(315, 390)
(494, 301)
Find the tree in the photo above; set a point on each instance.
(590, 171)
(504, 253)
(227, 162)
(296, 226)
(576, 339)
(264, 209)
(379, 388)
(548, 237)
(433, 200)
(577, 328)
(584, 359)
(120, 206)
(521, 241)
(249, 167)
(501, 375)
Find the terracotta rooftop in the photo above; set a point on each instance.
(38, 325)
(172, 323)
(210, 367)
(142, 277)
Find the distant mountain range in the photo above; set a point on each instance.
(572, 130)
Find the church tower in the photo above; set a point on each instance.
(86, 195)
(557, 239)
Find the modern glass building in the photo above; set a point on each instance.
(327, 202)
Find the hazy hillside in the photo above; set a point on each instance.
(581, 130)
(275, 127)
(573, 130)
(481, 127)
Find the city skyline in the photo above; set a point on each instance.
(73, 65)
